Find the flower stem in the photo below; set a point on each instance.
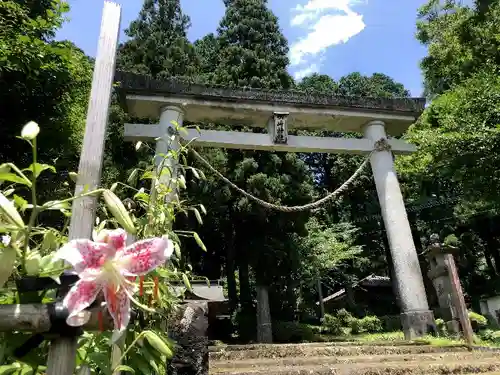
(34, 211)
(139, 336)
(67, 200)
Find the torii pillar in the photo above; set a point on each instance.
(416, 317)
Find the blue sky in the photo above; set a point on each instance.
(334, 37)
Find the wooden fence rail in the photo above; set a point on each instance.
(39, 318)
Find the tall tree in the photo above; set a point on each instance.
(44, 80)
(158, 44)
(253, 51)
(458, 133)
(461, 40)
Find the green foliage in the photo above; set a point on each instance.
(252, 49)
(368, 324)
(391, 323)
(490, 335)
(158, 44)
(345, 317)
(45, 80)
(295, 332)
(333, 324)
(458, 136)
(342, 320)
(478, 319)
(441, 327)
(461, 41)
(325, 248)
(27, 249)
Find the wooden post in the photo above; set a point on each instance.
(459, 300)
(62, 353)
(320, 300)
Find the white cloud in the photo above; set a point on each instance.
(299, 74)
(326, 23)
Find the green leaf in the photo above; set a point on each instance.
(38, 168)
(199, 241)
(147, 175)
(158, 343)
(203, 209)
(150, 358)
(198, 216)
(49, 241)
(9, 369)
(125, 368)
(186, 281)
(102, 361)
(73, 176)
(56, 205)
(132, 178)
(177, 250)
(20, 202)
(195, 173)
(11, 177)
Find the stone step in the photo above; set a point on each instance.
(353, 342)
(446, 367)
(300, 350)
(269, 363)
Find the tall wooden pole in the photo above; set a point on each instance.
(459, 300)
(62, 353)
(320, 300)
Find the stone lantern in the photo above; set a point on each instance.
(444, 276)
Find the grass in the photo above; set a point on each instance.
(429, 340)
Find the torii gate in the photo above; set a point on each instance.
(173, 100)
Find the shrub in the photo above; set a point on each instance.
(490, 335)
(368, 324)
(333, 324)
(293, 332)
(441, 327)
(478, 321)
(345, 317)
(391, 323)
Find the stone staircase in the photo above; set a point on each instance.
(352, 358)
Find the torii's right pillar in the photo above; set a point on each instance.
(417, 320)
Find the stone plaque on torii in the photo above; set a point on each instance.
(173, 100)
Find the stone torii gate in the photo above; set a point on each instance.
(279, 111)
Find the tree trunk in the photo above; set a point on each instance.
(490, 249)
(244, 273)
(230, 272)
(264, 325)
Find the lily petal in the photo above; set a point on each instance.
(79, 297)
(84, 255)
(118, 305)
(116, 238)
(144, 256)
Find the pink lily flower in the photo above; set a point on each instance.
(107, 265)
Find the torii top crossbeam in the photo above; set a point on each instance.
(143, 97)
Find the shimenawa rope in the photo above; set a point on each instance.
(380, 145)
